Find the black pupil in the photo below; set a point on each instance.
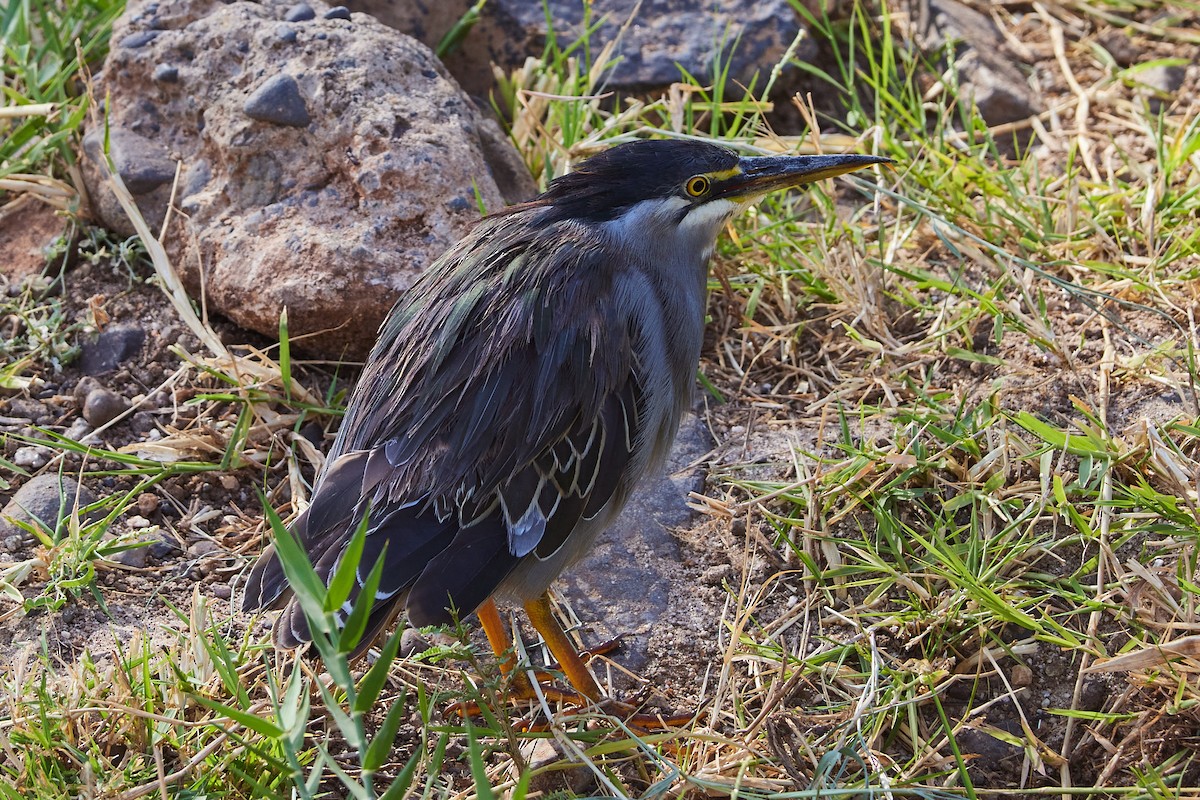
(698, 185)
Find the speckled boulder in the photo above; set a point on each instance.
(326, 159)
(662, 36)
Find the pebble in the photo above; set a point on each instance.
(102, 406)
(47, 498)
(222, 591)
(412, 643)
(278, 100)
(164, 548)
(31, 457)
(134, 557)
(338, 12)
(115, 344)
(166, 73)
(147, 504)
(301, 12)
(138, 521)
(203, 547)
(79, 431)
(139, 39)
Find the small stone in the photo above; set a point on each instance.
(79, 431)
(1120, 47)
(1161, 84)
(412, 643)
(286, 35)
(31, 457)
(203, 547)
(163, 548)
(166, 73)
(46, 499)
(116, 344)
(1020, 676)
(278, 101)
(25, 409)
(137, 521)
(140, 39)
(539, 755)
(147, 504)
(143, 164)
(134, 557)
(230, 483)
(222, 591)
(102, 406)
(301, 12)
(717, 575)
(82, 389)
(338, 12)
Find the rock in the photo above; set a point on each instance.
(412, 643)
(1160, 85)
(664, 36)
(46, 499)
(278, 101)
(134, 557)
(631, 583)
(990, 749)
(987, 68)
(111, 347)
(331, 220)
(31, 457)
(163, 548)
(102, 406)
(79, 431)
(147, 504)
(144, 164)
(542, 753)
(203, 547)
(301, 12)
(1118, 44)
(28, 229)
(28, 410)
(166, 73)
(337, 12)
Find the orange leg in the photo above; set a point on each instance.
(562, 649)
(497, 635)
(569, 661)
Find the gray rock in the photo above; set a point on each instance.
(332, 220)
(134, 557)
(337, 12)
(1161, 85)
(278, 101)
(102, 406)
(301, 12)
(145, 165)
(412, 643)
(987, 68)
(44, 500)
(31, 457)
(166, 73)
(111, 347)
(163, 548)
(1120, 47)
(632, 581)
(664, 36)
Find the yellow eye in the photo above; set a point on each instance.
(697, 185)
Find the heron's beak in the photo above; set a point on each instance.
(758, 176)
